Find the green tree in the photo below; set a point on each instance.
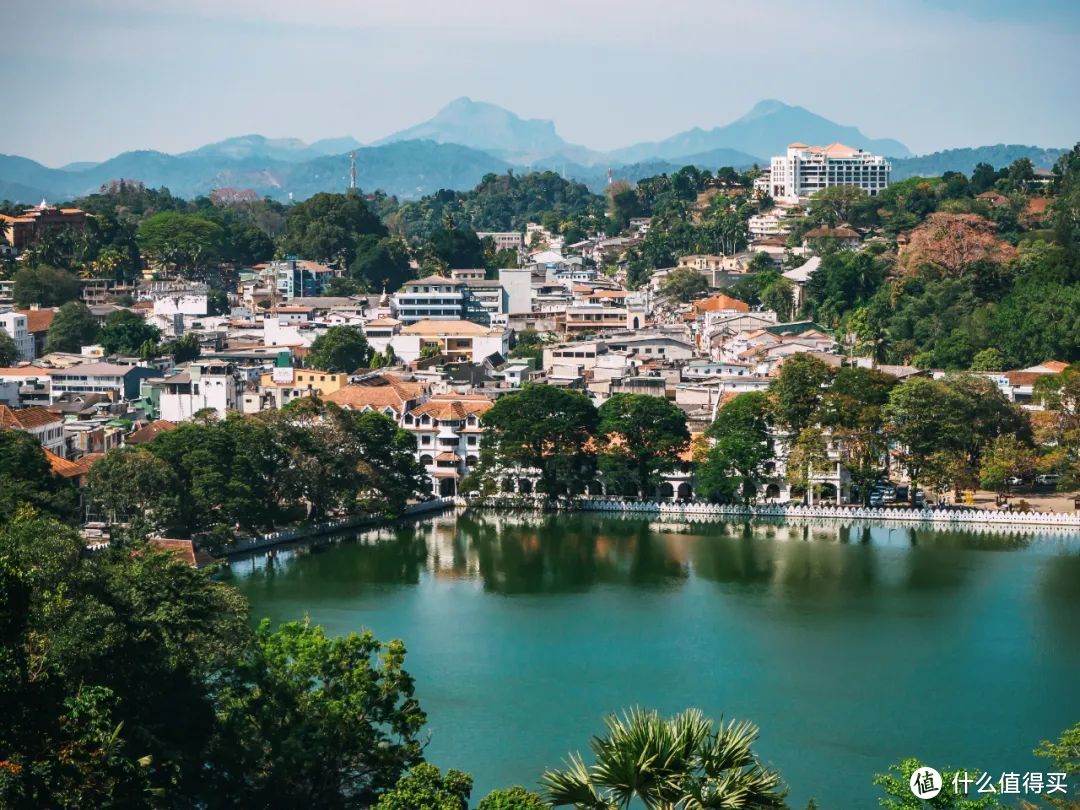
(833, 205)
(380, 262)
(424, 786)
(186, 244)
(338, 349)
(798, 390)
(544, 428)
(990, 359)
(73, 327)
(1064, 756)
(125, 332)
(665, 763)
(183, 349)
(852, 412)
(26, 479)
(131, 484)
(45, 286)
(732, 467)
(924, 417)
(807, 458)
(328, 227)
(9, 349)
(684, 284)
(515, 798)
(318, 721)
(217, 302)
(129, 679)
(1006, 457)
(641, 438)
(455, 248)
(896, 784)
(779, 296)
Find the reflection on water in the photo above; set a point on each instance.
(851, 646)
(527, 553)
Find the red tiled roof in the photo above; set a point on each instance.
(26, 418)
(37, 320)
(148, 432)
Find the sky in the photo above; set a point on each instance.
(87, 79)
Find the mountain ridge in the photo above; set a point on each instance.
(289, 168)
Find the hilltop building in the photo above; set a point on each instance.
(22, 230)
(806, 170)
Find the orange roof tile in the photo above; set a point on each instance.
(148, 432)
(719, 303)
(26, 418)
(385, 391)
(37, 320)
(448, 406)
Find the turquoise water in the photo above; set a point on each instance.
(849, 647)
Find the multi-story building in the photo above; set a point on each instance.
(26, 228)
(201, 386)
(119, 382)
(806, 170)
(433, 298)
(47, 428)
(458, 340)
(768, 224)
(504, 240)
(448, 430)
(15, 325)
(295, 278)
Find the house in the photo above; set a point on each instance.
(651, 345)
(432, 298)
(38, 322)
(148, 432)
(799, 276)
(504, 240)
(294, 277)
(71, 470)
(33, 385)
(119, 382)
(200, 386)
(454, 339)
(14, 324)
(448, 431)
(843, 237)
(22, 230)
(993, 198)
(47, 428)
(386, 393)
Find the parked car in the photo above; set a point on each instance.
(1047, 479)
(1014, 480)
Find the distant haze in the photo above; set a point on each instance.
(88, 80)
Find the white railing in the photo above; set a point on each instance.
(712, 511)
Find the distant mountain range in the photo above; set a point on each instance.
(764, 131)
(460, 144)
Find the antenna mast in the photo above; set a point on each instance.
(352, 170)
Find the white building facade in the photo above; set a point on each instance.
(14, 323)
(806, 170)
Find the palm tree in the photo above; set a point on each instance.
(676, 763)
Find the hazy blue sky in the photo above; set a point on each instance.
(85, 79)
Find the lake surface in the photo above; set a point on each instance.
(850, 647)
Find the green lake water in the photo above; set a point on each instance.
(850, 647)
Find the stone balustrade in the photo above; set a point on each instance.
(712, 511)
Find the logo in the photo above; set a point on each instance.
(925, 783)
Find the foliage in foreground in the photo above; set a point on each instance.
(680, 761)
(129, 679)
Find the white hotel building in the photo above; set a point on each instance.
(806, 170)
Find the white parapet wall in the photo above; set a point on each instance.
(698, 510)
